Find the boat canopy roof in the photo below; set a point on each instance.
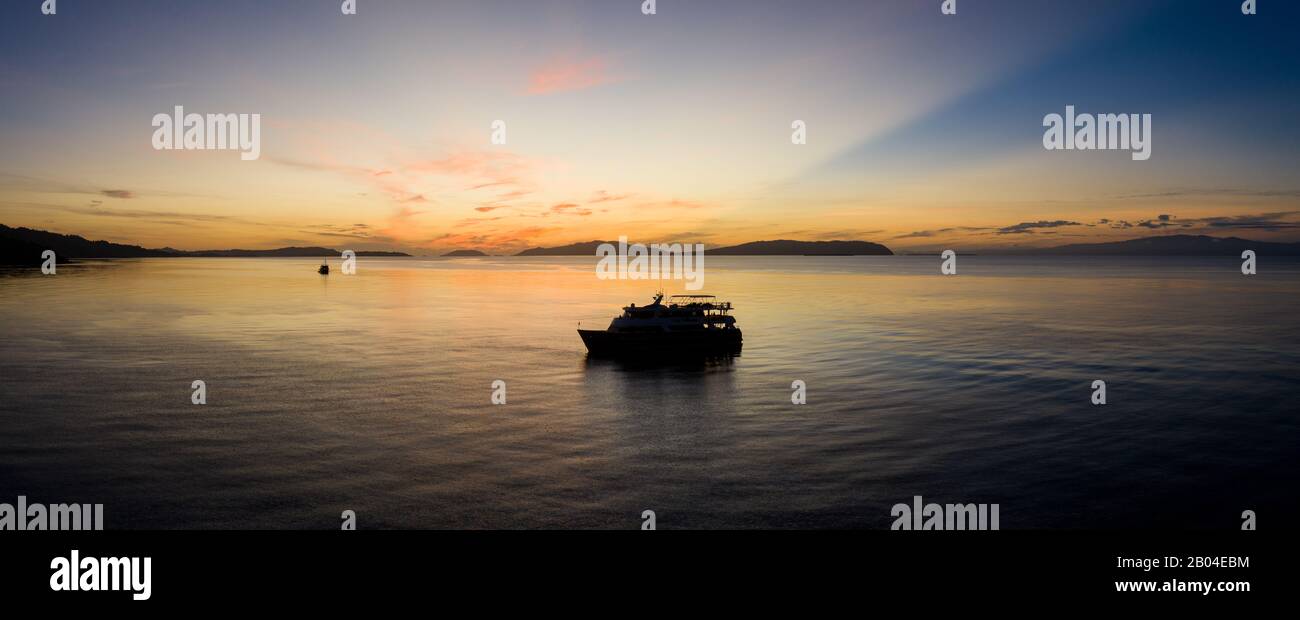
(702, 307)
(706, 302)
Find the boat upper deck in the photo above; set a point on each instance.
(699, 302)
(679, 305)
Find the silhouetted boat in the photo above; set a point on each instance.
(687, 324)
(324, 269)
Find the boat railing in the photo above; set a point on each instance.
(721, 306)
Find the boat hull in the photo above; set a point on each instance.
(627, 344)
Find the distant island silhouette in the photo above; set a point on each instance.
(23, 246)
(786, 247)
(1169, 245)
(586, 248)
(779, 247)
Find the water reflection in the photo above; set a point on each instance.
(661, 363)
(373, 389)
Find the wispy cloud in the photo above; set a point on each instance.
(401, 227)
(51, 186)
(569, 208)
(675, 203)
(164, 217)
(503, 242)
(1163, 220)
(921, 234)
(412, 179)
(568, 73)
(354, 231)
(1275, 221)
(604, 196)
(1222, 191)
(1263, 221)
(1029, 227)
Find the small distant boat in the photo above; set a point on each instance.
(687, 324)
(324, 269)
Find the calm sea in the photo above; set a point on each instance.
(371, 392)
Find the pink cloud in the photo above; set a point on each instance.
(519, 193)
(484, 168)
(400, 226)
(570, 209)
(563, 74)
(686, 204)
(507, 241)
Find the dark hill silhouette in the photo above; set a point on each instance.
(23, 246)
(1174, 245)
(18, 241)
(20, 252)
(780, 247)
(587, 248)
(787, 247)
(278, 252)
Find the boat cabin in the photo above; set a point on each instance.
(681, 313)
